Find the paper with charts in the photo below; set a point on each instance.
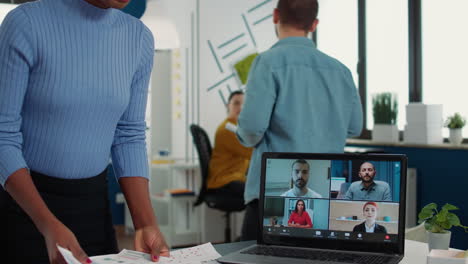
(203, 254)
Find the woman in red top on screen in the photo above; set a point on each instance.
(299, 217)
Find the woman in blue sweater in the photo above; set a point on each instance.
(73, 88)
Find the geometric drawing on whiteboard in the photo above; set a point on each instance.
(226, 53)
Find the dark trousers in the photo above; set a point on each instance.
(82, 205)
(250, 227)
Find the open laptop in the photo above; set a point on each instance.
(365, 225)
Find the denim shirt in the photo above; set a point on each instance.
(298, 99)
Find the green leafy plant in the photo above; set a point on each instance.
(439, 221)
(385, 108)
(455, 121)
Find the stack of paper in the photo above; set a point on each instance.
(205, 254)
(438, 256)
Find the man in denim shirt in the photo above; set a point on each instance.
(298, 99)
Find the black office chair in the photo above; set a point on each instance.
(212, 198)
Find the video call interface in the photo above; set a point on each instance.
(332, 199)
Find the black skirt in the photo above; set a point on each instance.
(80, 204)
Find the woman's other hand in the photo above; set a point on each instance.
(150, 240)
(58, 234)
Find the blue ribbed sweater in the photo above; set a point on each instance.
(73, 90)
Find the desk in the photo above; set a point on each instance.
(415, 252)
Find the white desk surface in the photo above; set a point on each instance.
(415, 252)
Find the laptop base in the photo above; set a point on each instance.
(316, 256)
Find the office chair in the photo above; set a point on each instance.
(212, 198)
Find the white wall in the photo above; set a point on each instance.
(194, 67)
(220, 22)
(161, 104)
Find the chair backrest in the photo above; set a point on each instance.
(203, 146)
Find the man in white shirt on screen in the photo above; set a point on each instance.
(300, 178)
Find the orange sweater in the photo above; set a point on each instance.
(229, 160)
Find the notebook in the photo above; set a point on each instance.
(303, 220)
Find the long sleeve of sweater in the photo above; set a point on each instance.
(129, 153)
(16, 59)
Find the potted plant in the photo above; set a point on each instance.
(455, 123)
(385, 111)
(438, 223)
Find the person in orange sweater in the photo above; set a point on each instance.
(229, 159)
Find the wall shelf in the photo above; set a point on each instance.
(366, 142)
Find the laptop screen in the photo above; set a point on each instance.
(334, 201)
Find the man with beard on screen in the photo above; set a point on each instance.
(300, 177)
(367, 188)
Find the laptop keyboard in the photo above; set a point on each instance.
(317, 255)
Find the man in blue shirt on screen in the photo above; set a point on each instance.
(298, 99)
(367, 188)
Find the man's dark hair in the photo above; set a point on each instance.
(233, 94)
(298, 13)
(301, 161)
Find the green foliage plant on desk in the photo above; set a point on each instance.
(385, 108)
(385, 111)
(438, 223)
(243, 67)
(455, 123)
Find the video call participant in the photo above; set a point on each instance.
(367, 188)
(370, 211)
(230, 160)
(300, 178)
(299, 217)
(298, 99)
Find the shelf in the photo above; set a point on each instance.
(366, 142)
(178, 219)
(169, 199)
(174, 164)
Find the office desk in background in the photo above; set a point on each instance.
(415, 252)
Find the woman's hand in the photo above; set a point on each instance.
(58, 234)
(150, 240)
(148, 237)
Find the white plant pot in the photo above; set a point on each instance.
(385, 133)
(455, 136)
(438, 240)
